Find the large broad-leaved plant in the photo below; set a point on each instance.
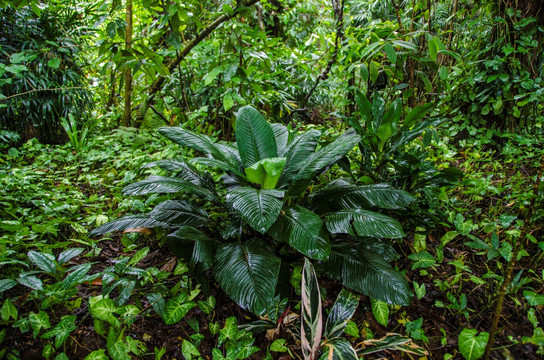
(248, 226)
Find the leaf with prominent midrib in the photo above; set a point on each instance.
(248, 273)
(254, 136)
(259, 208)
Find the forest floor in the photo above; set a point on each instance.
(54, 196)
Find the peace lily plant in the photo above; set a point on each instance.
(266, 212)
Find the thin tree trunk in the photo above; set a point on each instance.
(127, 115)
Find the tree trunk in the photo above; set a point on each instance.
(127, 115)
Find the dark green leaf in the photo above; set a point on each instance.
(297, 152)
(422, 260)
(248, 273)
(259, 208)
(177, 213)
(127, 222)
(254, 136)
(282, 137)
(45, 262)
(165, 185)
(341, 313)
(365, 223)
(69, 254)
(303, 230)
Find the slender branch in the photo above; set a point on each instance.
(156, 86)
(338, 6)
(510, 269)
(37, 90)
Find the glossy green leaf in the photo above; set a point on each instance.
(203, 248)
(311, 312)
(189, 350)
(254, 137)
(177, 213)
(297, 152)
(340, 194)
(380, 310)
(365, 223)
(391, 53)
(391, 342)
(127, 222)
(30, 281)
(303, 230)
(259, 208)
(321, 159)
(166, 185)
(343, 309)
(471, 345)
(248, 273)
(43, 261)
(218, 164)
(338, 349)
(415, 114)
(77, 275)
(104, 309)
(365, 271)
(69, 254)
(194, 141)
(282, 138)
(533, 298)
(176, 308)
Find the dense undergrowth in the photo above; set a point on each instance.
(66, 295)
(350, 179)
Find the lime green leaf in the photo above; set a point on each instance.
(97, 355)
(472, 346)
(212, 75)
(279, 346)
(189, 350)
(380, 311)
(422, 260)
(62, 330)
(533, 298)
(391, 53)
(176, 308)
(104, 309)
(117, 348)
(266, 172)
(228, 102)
(38, 322)
(54, 63)
(229, 331)
(8, 310)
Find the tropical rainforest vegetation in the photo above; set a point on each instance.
(272, 179)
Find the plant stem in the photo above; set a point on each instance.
(509, 270)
